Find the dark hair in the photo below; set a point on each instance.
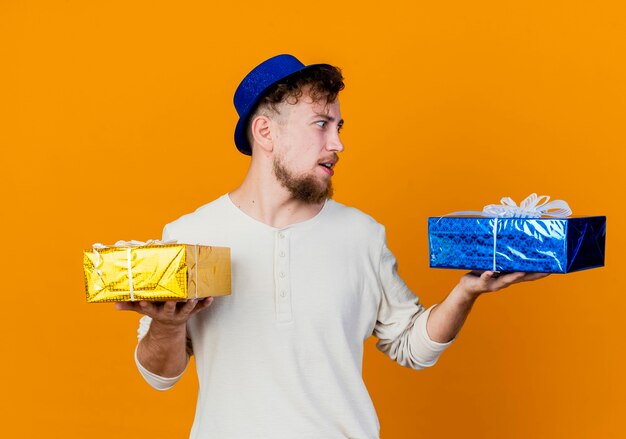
(322, 83)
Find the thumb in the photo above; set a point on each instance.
(124, 306)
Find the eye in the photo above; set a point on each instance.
(321, 123)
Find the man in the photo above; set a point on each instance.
(312, 279)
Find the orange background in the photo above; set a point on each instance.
(116, 118)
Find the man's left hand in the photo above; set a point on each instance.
(446, 319)
(476, 283)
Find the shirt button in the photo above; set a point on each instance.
(282, 254)
(283, 293)
(281, 234)
(282, 274)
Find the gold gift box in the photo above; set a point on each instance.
(156, 272)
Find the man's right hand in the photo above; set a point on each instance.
(170, 314)
(162, 350)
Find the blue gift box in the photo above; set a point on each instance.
(546, 245)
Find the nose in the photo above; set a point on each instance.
(334, 143)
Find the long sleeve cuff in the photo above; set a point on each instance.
(156, 381)
(424, 350)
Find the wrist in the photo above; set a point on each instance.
(160, 330)
(464, 295)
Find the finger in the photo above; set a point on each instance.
(505, 280)
(141, 307)
(534, 276)
(188, 307)
(147, 308)
(511, 278)
(127, 306)
(202, 304)
(487, 276)
(169, 308)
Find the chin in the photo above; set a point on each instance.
(312, 192)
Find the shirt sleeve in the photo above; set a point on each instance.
(401, 320)
(165, 236)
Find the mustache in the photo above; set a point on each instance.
(333, 158)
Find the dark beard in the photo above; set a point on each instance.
(306, 189)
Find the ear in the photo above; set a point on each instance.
(262, 133)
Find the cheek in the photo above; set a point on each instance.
(300, 152)
(303, 146)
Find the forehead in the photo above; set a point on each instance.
(306, 107)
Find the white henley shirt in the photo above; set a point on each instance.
(281, 358)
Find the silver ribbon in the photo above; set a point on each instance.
(532, 207)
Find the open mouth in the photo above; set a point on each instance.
(328, 163)
(328, 167)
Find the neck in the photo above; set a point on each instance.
(263, 198)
